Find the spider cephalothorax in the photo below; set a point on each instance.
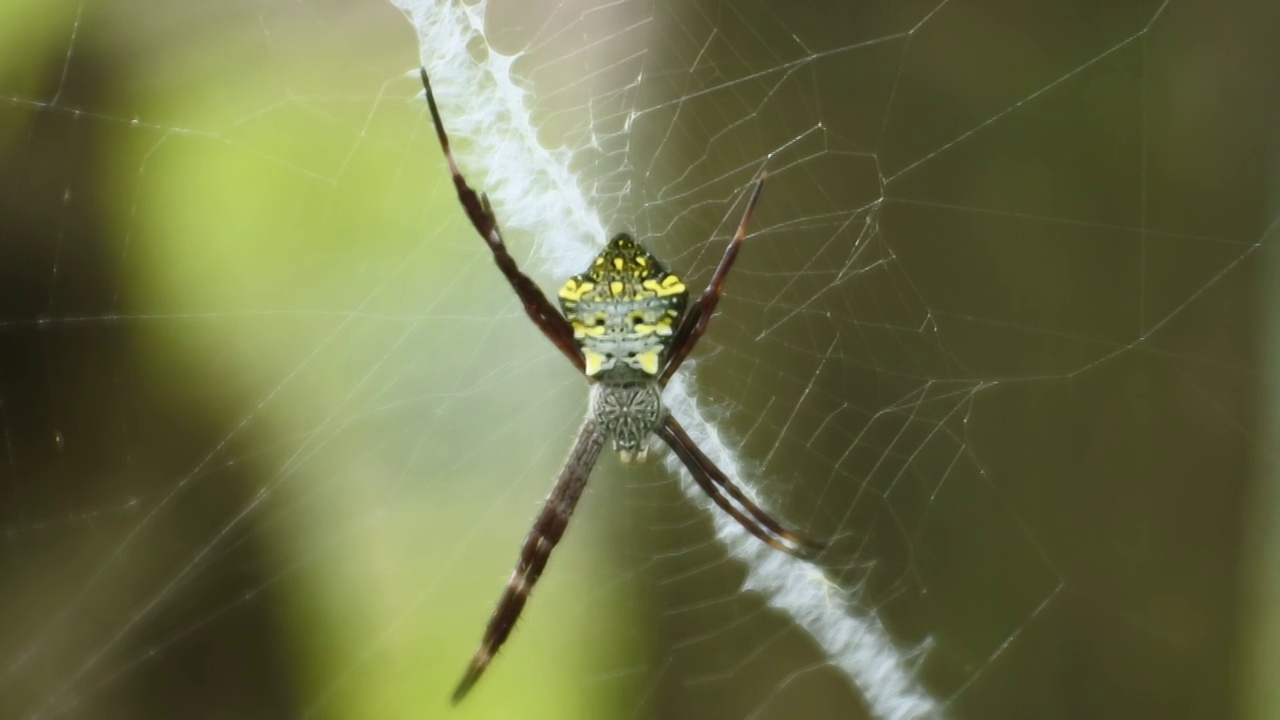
(630, 415)
(626, 327)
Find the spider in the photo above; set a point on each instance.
(627, 326)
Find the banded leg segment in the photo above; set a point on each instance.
(547, 531)
(540, 310)
(712, 480)
(695, 321)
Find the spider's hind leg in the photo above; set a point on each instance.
(712, 480)
(536, 550)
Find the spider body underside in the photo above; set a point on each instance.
(626, 324)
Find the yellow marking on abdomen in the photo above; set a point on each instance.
(662, 328)
(649, 360)
(593, 361)
(581, 330)
(573, 290)
(670, 285)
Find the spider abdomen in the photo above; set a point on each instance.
(629, 414)
(624, 311)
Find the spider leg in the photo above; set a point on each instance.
(699, 314)
(540, 310)
(711, 479)
(539, 543)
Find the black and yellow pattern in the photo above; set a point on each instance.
(624, 311)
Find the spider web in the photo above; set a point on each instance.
(274, 426)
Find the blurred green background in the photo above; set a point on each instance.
(273, 426)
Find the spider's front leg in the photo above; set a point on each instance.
(696, 319)
(540, 310)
